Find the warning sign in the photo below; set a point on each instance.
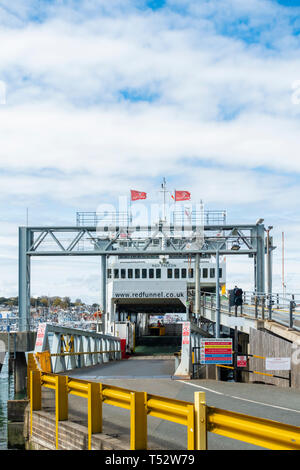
(186, 328)
(186, 331)
(40, 336)
(242, 361)
(216, 351)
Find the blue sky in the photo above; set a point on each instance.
(103, 97)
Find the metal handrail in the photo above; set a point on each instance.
(259, 306)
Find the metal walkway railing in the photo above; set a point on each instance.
(283, 310)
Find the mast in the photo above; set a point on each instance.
(164, 190)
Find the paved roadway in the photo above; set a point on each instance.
(155, 376)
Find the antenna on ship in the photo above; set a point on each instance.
(164, 190)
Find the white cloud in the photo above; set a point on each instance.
(214, 88)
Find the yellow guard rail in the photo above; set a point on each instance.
(197, 417)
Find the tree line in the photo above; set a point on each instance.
(44, 301)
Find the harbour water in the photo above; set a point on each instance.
(6, 393)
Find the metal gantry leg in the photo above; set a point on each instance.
(103, 292)
(260, 259)
(197, 286)
(24, 279)
(217, 295)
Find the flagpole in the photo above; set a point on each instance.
(175, 206)
(164, 191)
(130, 214)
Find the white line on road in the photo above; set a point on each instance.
(239, 398)
(265, 404)
(204, 388)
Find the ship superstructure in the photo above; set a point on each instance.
(150, 284)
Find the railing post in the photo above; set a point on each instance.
(61, 401)
(138, 421)
(94, 410)
(35, 393)
(191, 428)
(200, 421)
(263, 307)
(256, 306)
(291, 322)
(270, 306)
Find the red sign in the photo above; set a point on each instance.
(186, 330)
(40, 335)
(242, 361)
(135, 195)
(182, 195)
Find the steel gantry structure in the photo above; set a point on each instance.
(137, 242)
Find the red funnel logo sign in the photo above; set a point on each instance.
(136, 195)
(182, 195)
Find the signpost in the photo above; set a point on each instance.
(216, 351)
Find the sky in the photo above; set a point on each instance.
(98, 97)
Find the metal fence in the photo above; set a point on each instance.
(282, 310)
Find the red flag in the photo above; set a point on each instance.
(135, 195)
(182, 196)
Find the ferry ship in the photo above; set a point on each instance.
(140, 287)
(157, 285)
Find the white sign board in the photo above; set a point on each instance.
(278, 363)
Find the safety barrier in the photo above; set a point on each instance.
(197, 417)
(72, 348)
(140, 404)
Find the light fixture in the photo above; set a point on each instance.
(235, 246)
